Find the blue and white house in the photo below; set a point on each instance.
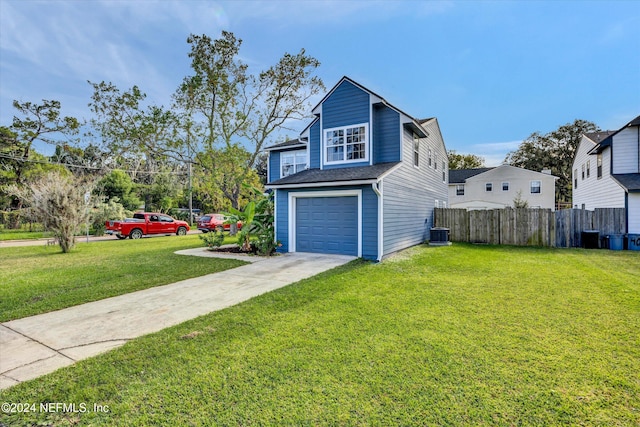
(362, 179)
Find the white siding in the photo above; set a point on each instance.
(595, 192)
(633, 214)
(625, 151)
(409, 193)
(476, 196)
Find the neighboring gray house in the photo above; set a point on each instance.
(498, 187)
(362, 179)
(606, 172)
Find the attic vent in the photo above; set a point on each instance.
(546, 171)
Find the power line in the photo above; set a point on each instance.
(71, 165)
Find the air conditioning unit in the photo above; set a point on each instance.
(439, 236)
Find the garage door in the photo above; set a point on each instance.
(327, 225)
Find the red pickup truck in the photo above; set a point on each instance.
(144, 223)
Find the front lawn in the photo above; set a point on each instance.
(38, 279)
(459, 335)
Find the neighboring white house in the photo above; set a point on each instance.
(606, 172)
(499, 187)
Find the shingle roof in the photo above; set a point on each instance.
(630, 181)
(290, 143)
(459, 176)
(606, 142)
(599, 136)
(338, 176)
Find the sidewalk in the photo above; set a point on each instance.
(37, 345)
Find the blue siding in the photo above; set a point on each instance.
(347, 105)
(345, 165)
(282, 219)
(369, 224)
(369, 218)
(314, 146)
(274, 165)
(386, 135)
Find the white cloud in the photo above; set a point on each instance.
(494, 152)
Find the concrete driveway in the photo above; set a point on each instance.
(34, 346)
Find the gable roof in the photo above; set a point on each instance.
(597, 137)
(416, 124)
(609, 139)
(459, 176)
(337, 176)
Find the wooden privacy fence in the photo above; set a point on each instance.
(529, 227)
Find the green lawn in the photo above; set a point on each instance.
(459, 335)
(37, 279)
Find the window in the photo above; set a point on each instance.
(292, 162)
(535, 187)
(460, 190)
(488, 186)
(583, 168)
(416, 150)
(588, 168)
(444, 204)
(575, 178)
(599, 165)
(429, 157)
(444, 171)
(346, 144)
(505, 186)
(435, 161)
(436, 203)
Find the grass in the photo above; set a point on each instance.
(460, 335)
(24, 233)
(37, 279)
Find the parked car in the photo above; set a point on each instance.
(213, 222)
(146, 223)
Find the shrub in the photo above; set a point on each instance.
(212, 239)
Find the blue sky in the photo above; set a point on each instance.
(491, 72)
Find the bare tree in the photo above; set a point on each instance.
(57, 200)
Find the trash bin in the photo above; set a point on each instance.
(590, 239)
(616, 242)
(633, 242)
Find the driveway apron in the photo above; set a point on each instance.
(34, 346)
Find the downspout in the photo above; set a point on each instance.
(377, 188)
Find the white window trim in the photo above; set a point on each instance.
(293, 196)
(367, 146)
(416, 141)
(508, 186)
(531, 186)
(485, 187)
(294, 153)
(458, 186)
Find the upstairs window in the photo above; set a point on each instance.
(460, 190)
(444, 171)
(435, 161)
(588, 168)
(416, 150)
(346, 144)
(575, 178)
(583, 168)
(599, 165)
(292, 162)
(535, 187)
(429, 157)
(488, 186)
(505, 186)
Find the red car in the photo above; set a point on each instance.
(213, 222)
(144, 223)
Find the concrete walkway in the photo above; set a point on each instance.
(34, 346)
